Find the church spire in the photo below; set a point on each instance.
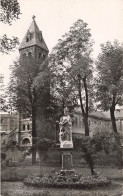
(33, 17)
(33, 37)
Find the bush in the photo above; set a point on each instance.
(69, 181)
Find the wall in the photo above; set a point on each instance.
(93, 121)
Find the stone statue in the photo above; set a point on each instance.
(65, 135)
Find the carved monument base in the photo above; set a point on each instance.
(67, 162)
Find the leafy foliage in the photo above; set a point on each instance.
(102, 139)
(7, 44)
(71, 67)
(28, 83)
(109, 77)
(3, 102)
(69, 181)
(10, 10)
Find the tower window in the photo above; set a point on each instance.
(43, 57)
(27, 39)
(39, 56)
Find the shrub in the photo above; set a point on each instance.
(69, 181)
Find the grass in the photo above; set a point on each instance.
(21, 172)
(12, 186)
(18, 189)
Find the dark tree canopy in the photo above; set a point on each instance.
(27, 83)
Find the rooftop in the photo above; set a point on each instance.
(33, 37)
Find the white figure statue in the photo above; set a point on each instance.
(65, 135)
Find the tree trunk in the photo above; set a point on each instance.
(84, 111)
(88, 156)
(117, 136)
(89, 159)
(34, 135)
(86, 125)
(113, 120)
(19, 133)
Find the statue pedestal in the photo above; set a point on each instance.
(67, 161)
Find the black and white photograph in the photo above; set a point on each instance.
(61, 97)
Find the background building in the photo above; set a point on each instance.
(95, 119)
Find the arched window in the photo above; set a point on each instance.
(25, 141)
(39, 56)
(24, 55)
(30, 54)
(27, 39)
(28, 126)
(43, 56)
(23, 127)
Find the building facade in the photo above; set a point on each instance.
(9, 126)
(96, 119)
(20, 130)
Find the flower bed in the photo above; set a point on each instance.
(68, 181)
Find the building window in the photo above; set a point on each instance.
(39, 56)
(27, 39)
(23, 127)
(12, 123)
(43, 56)
(29, 54)
(25, 141)
(28, 126)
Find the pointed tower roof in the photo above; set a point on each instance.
(33, 37)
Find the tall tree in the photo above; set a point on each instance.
(10, 10)
(110, 79)
(110, 84)
(82, 78)
(29, 88)
(72, 56)
(62, 92)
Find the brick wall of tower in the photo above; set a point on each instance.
(37, 52)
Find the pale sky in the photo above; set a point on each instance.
(55, 17)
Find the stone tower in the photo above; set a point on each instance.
(33, 43)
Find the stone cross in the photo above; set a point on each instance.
(33, 17)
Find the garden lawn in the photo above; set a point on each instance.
(18, 189)
(12, 184)
(21, 172)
